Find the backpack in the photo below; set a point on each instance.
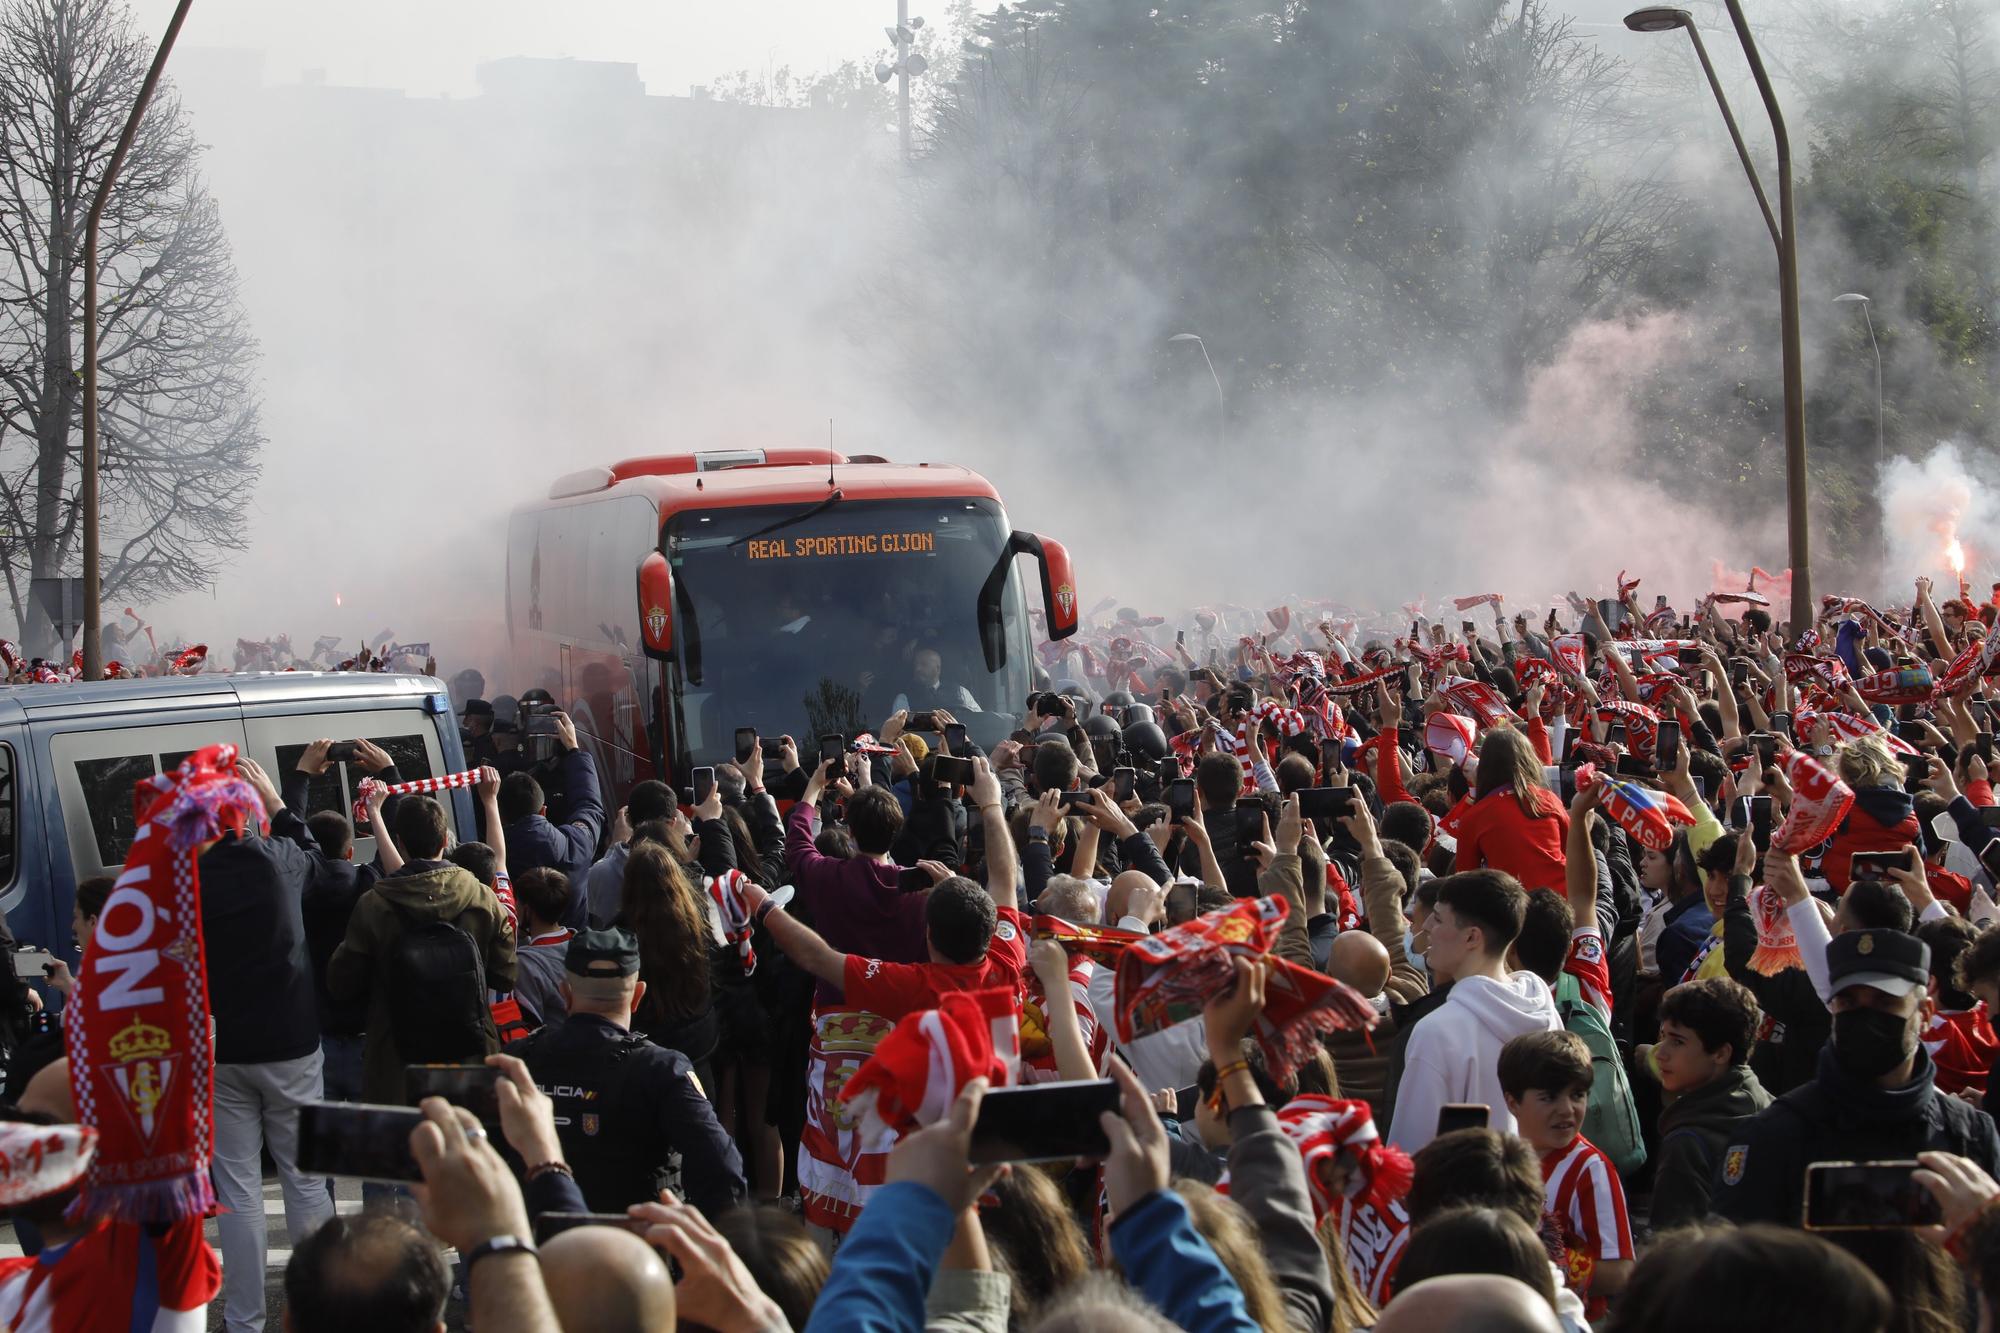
(437, 993)
(1612, 1122)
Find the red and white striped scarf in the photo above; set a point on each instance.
(416, 786)
(732, 916)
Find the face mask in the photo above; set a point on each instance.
(1868, 1043)
(1410, 951)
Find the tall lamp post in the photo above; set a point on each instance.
(93, 611)
(908, 66)
(1221, 411)
(1784, 234)
(1881, 449)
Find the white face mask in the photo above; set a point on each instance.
(1410, 950)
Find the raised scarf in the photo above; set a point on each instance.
(136, 1029)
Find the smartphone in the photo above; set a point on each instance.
(948, 770)
(1044, 1122)
(746, 741)
(1463, 1115)
(1570, 738)
(1615, 734)
(1325, 805)
(833, 750)
(554, 1224)
(31, 963)
(1633, 766)
(1180, 638)
(1249, 825)
(1760, 823)
(1866, 1196)
(1180, 798)
(954, 737)
(1331, 758)
(1916, 767)
(921, 722)
(1912, 732)
(1705, 787)
(475, 1087)
(1990, 815)
(1465, 628)
(1185, 1100)
(1876, 865)
(1081, 796)
(1124, 783)
(342, 752)
(704, 784)
(1982, 745)
(1767, 746)
(351, 1139)
(1667, 747)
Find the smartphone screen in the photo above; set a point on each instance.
(1866, 1196)
(1667, 748)
(704, 784)
(1330, 757)
(1325, 805)
(1767, 746)
(1044, 1122)
(548, 1225)
(1632, 766)
(1570, 738)
(1249, 825)
(951, 771)
(1081, 796)
(954, 737)
(475, 1087)
(1982, 744)
(349, 1139)
(342, 752)
(1876, 865)
(1916, 767)
(833, 750)
(1180, 798)
(1124, 784)
(1760, 822)
(1185, 1100)
(1463, 1115)
(746, 741)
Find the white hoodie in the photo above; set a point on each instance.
(1453, 1053)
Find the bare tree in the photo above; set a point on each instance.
(180, 428)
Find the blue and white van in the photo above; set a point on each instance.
(70, 756)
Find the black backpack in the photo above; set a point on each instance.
(437, 993)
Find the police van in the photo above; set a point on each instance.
(71, 755)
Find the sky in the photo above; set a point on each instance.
(430, 47)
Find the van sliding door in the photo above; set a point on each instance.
(95, 773)
(408, 734)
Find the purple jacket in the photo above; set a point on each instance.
(855, 905)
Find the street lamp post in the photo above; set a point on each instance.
(1221, 410)
(1784, 234)
(93, 611)
(1881, 448)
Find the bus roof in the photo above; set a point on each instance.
(758, 477)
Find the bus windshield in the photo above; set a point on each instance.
(806, 623)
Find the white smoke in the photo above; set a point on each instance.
(1932, 500)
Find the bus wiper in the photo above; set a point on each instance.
(800, 517)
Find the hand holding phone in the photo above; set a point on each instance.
(1044, 1122)
(366, 1142)
(474, 1087)
(1867, 1196)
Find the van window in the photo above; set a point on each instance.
(322, 791)
(412, 761)
(7, 854)
(107, 801)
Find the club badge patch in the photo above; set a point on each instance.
(1732, 1164)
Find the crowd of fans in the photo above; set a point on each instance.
(1623, 969)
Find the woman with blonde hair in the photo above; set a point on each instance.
(1511, 821)
(1884, 816)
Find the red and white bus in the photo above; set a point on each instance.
(666, 602)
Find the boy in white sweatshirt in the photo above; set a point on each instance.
(1453, 1053)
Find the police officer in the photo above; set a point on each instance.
(623, 1106)
(1872, 1099)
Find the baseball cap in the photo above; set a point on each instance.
(608, 954)
(1890, 961)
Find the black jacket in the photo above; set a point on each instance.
(1694, 1132)
(1791, 1057)
(624, 1107)
(260, 977)
(1837, 1118)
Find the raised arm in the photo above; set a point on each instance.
(488, 792)
(800, 942)
(1002, 866)
(1580, 868)
(1072, 1053)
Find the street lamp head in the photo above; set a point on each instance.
(1185, 338)
(1851, 297)
(1658, 18)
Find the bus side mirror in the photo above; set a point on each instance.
(1058, 583)
(656, 606)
